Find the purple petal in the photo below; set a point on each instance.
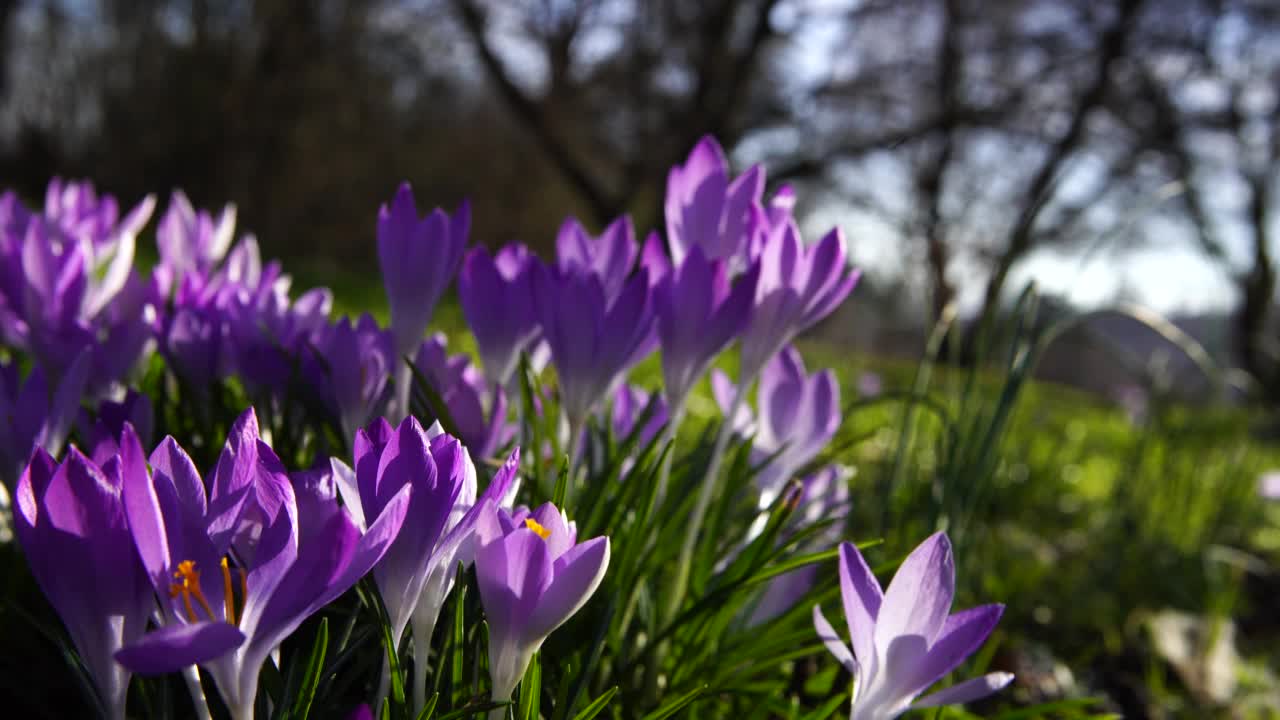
(513, 572)
(862, 598)
(919, 597)
(963, 633)
(966, 691)
(177, 646)
(578, 573)
(834, 644)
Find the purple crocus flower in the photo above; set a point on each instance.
(497, 299)
(798, 416)
(609, 257)
(191, 240)
(267, 331)
(798, 286)
(905, 639)
(533, 576)
(593, 341)
(1269, 485)
(629, 403)
(386, 461)
(418, 572)
(705, 209)
(698, 315)
(240, 568)
(34, 415)
(64, 276)
(103, 429)
(870, 384)
(70, 520)
(478, 411)
(350, 365)
(418, 257)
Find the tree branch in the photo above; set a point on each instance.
(603, 207)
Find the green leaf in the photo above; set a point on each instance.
(473, 710)
(311, 678)
(827, 709)
(429, 708)
(597, 705)
(676, 705)
(530, 690)
(562, 484)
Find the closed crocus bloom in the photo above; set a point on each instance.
(418, 257)
(35, 415)
(237, 568)
(905, 639)
(479, 411)
(798, 415)
(193, 240)
(609, 257)
(350, 366)
(267, 331)
(698, 315)
(533, 576)
(386, 461)
(705, 209)
(70, 520)
(629, 404)
(593, 341)
(497, 299)
(798, 286)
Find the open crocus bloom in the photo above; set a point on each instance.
(234, 570)
(533, 576)
(905, 639)
(496, 295)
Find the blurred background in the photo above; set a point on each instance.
(1111, 150)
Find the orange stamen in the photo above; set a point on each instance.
(229, 600)
(534, 526)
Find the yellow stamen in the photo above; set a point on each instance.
(228, 599)
(534, 526)
(188, 587)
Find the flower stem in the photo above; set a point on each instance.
(669, 436)
(684, 565)
(575, 448)
(191, 674)
(422, 631)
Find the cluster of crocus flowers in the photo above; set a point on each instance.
(906, 638)
(217, 568)
(67, 283)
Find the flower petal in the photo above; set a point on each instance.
(918, 599)
(174, 647)
(578, 573)
(834, 644)
(862, 600)
(966, 691)
(963, 633)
